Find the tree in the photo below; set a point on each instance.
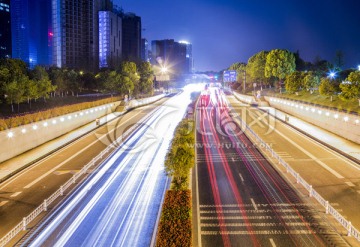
(350, 89)
(311, 81)
(129, 78)
(321, 67)
(58, 78)
(146, 80)
(279, 63)
(15, 91)
(71, 81)
(294, 81)
(43, 83)
(31, 91)
(327, 86)
(111, 82)
(181, 156)
(256, 67)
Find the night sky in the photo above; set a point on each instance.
(226, 31)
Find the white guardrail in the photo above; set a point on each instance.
(351, 231)
(22, 226)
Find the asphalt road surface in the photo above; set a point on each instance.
(241, 199)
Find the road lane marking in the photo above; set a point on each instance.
(3, 203)
(71, 157)
(272, 242)
(350, 184)
(241, 178)
(16, 194)
(253, 203)
(310, 155)
(261, 232)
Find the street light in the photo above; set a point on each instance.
(332, 74)
(164, 70)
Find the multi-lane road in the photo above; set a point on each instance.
(121, 198)
(241, 199)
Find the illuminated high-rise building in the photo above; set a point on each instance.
(170, 54)
(189, 56)
(31, 31)
(110, 39)
(5, 30)
(76, 33)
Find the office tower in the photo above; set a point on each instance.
(131, 38)
(110, 39)
(189, 57)
(76, 33)
(31, 31)
(144, 50)
(171, 55)
(5, 30)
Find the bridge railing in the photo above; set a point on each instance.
(351, 230)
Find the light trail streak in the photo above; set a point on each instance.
(268, 185)
(230, 177)
(120, 203)
(215, 189)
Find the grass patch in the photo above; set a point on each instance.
(326, 101)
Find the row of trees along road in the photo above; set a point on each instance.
(18, 84)
(278, 67)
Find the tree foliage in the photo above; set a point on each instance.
(256, 67)
(327, 86)
(294, 81)
(279, 63)
(146, 80)
(311, 81)
(180, 158)
(350, 89)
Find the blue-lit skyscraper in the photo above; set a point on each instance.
(5, 29)
(76, 32)
(110, 39)
(31, 31)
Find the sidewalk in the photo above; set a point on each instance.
(20, 162)
(349, 148)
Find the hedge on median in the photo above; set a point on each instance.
(175, 221)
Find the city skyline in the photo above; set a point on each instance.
(225, 32)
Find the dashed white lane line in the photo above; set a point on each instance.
(16, 194)
(253, 203)
(272, 242)
(350, 184)
(241, 178)
(332, 171)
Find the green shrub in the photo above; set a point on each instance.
(175, 221)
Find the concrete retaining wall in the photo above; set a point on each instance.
(23, 138)
(244, 98)
(140, 102)
(340, 123)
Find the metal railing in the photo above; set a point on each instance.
(351, 230)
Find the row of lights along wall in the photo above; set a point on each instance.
(55, 121)
(345, 118)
